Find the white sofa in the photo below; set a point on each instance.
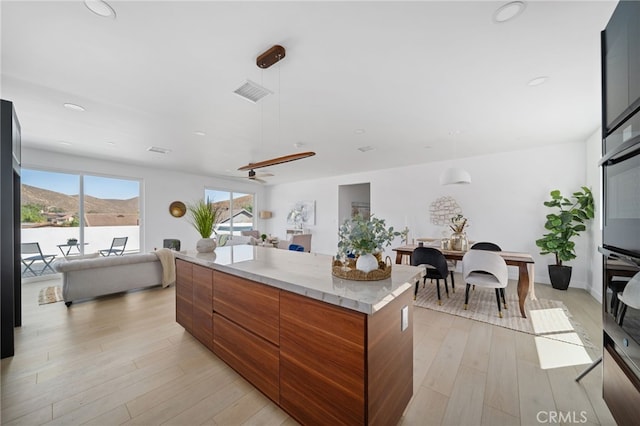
(86, 278)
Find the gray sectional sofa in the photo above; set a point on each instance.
(87, 278)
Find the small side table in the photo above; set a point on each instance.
(65, 249)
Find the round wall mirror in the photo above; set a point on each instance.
(177, 209)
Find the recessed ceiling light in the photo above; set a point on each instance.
(199, 133)
(298, 144)
(74, 107)
(508, 11)
(65, 143)
(366, 148)
(158, 150)
(538, 81)
(359, 131)
(111, 143)
(100, 8)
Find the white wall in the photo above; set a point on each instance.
(159, 188)
(504, 203)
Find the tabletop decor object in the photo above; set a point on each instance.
(565, 222)
(72, 241)
(458, 240)
(204, 215)
(361, 242)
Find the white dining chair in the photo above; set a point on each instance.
(485, 269)
(630, 296)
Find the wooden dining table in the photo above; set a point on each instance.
(524, 262)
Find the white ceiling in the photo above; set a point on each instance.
(426, 81)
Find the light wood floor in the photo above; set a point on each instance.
(123, 359)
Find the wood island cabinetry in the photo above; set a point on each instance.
(246, 330)
(322, 363)
(184, 294)
(194, 301)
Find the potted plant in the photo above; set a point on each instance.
(565, 222)
(204, 215)
(364, 238)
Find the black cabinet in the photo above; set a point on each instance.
(621, 65)
(621, 141)
(10, 300)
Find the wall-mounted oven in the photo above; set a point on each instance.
(621, 203)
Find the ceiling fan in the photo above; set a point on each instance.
(256, 176)
(277, 160)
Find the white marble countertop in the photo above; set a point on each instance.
(307, 274)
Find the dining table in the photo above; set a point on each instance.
(524, 262)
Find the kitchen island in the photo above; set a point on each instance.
(326, 350)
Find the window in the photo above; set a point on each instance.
(237, 211)
(70, 214)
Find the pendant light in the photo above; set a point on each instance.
(455, 175)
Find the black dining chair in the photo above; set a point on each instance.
(436, 265)
(485, 245)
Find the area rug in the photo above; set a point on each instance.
(544, 317)
(50, 295)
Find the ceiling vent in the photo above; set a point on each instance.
(158, 150)
(252, 92)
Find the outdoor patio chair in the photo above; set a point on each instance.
(117, 247)
(34, 254)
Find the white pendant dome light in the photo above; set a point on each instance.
(455, 175)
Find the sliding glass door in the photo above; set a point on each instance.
(50, 212)
(111, 210)
(73, 214)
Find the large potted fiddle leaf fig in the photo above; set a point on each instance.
(566, 221)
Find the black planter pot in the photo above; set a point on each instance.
(560, 276)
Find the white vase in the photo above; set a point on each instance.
(366, 263)
(206, 245)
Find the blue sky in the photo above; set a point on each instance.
(69, 184)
